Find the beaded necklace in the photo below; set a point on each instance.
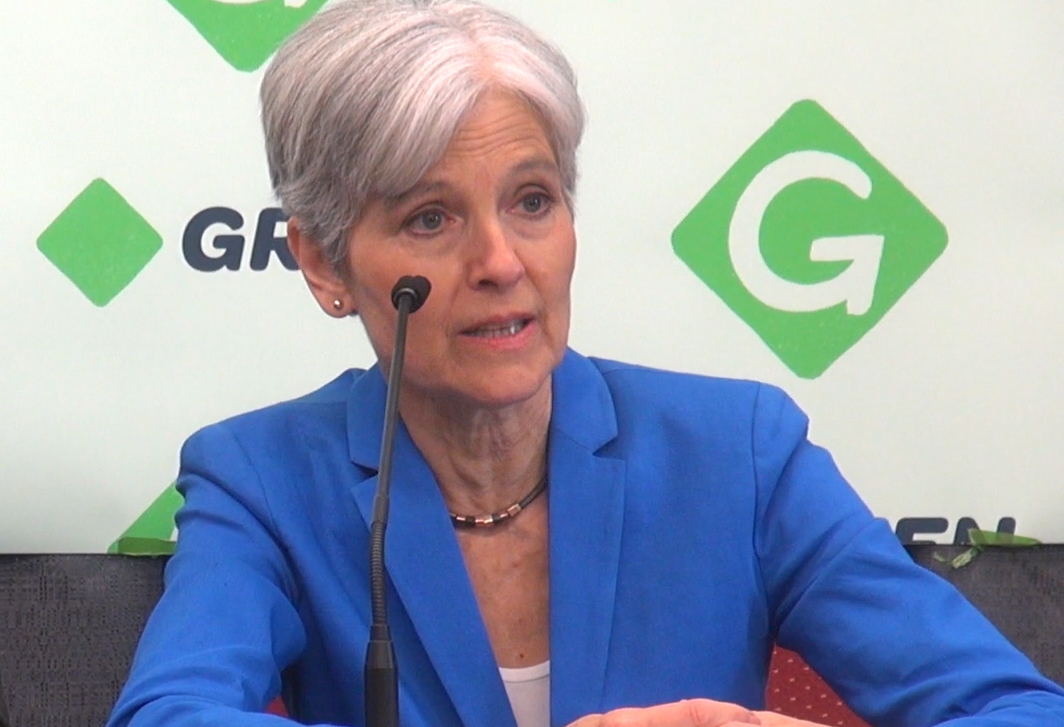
(507, 513)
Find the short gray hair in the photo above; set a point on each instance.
(364, 98)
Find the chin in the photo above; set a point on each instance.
(507, 386)
(501, 394)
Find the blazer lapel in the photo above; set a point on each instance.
(586, 514)
(426, 567)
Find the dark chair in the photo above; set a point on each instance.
(3, 708)
(68, 627)
(1020, 590)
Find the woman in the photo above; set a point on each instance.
(647, 536)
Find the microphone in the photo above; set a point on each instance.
(382, 673)
(414, 287)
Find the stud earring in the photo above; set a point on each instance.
(338, 305)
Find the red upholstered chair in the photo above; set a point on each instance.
(277, 707)
(795, 690)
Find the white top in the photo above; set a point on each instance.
(529, 692)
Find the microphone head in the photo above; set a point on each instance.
(416, 287)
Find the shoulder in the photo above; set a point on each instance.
(316, 416)
(285, 464)
(641, 392)
(626, 377)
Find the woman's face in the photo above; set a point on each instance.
(489, 227)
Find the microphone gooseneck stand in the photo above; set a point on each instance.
(382, 673)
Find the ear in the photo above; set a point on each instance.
(325, 283)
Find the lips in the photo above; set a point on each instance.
(503, 329)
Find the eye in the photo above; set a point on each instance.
(534, 203)
(426, 222)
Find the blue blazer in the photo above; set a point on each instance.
(692, 525)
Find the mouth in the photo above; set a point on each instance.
(505, 329)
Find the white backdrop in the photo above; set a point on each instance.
(949, 407)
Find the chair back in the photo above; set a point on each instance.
(69, 625)
(1020, 590)
(3, 708)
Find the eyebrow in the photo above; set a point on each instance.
(535, 164)
(421, 188)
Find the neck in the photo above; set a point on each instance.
(483, 459)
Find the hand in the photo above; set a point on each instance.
(775, 719)
(686, 713)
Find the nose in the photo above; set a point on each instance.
(494, 261)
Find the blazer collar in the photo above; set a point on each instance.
(365, 417)
(582, 409)
(425, 565)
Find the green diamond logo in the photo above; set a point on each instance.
(246, 32)
(100, 242)
(809, 239)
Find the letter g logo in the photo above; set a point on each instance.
(809, 239)
(855, 286)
